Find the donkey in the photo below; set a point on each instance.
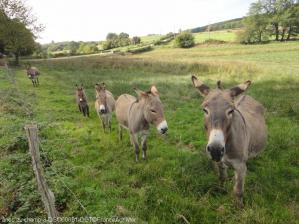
(136, 115)
(33, 73)
(105, 105)
(82, 101)
(235, 128)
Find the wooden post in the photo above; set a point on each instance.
(46, 194)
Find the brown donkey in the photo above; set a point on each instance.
(82, 101)
(136, 115)
(33, 73)
(105, 105)
(236, 130)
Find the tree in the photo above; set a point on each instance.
(123, 39)
(136, 40)
(281, 14)
(256, 24)
(16, 37)
(111, 36)
(17, 9)
(123, 35)
(72, 47)
(184, 40)
(289, 18)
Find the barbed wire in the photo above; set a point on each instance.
(64, 184)
(11, 77)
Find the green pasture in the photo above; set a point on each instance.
(177, 182)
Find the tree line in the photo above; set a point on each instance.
(18, 28)
(271, 19)
(114, 40)
(69, 48)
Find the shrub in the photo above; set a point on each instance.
(184, 40)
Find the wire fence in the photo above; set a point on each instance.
(11, 76)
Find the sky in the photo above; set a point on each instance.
(91, 20)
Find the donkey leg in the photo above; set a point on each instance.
(144, 144)
(37, 81)
(103, 124)
(79, 108)
(222, 169)
(134, 138)
(240, 173)
(87, 110)
(109, 122)
(84, 111)
(120, 133)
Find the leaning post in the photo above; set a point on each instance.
(47, 195)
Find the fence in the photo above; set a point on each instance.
(31, 130)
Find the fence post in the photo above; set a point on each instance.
(46, 194)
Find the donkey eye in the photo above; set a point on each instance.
(205, 111)
(153, 111)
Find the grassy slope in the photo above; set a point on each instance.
(150, 38)
(225, 35)
(177, 179)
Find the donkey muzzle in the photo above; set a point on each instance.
(215, 151)
(102, 109)
(162, 127)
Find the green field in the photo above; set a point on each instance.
(224, 35)
(178, 180)
(150, 38)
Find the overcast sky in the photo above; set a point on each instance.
(88, 20)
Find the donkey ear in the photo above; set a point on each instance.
(154, 91)
(103, 85)
(200, 86)
(140, 93)
(237, 90)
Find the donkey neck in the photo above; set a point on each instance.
(137, 121)
(238, 137)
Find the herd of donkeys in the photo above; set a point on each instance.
(234, 122)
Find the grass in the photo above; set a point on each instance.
(178, 179)
(225, 35)
(151, 38)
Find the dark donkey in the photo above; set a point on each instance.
(236, 130)
(82, 100)
(33, 73)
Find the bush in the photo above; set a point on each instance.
(184, 40)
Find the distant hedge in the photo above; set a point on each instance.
(184, 40)
(140, 49)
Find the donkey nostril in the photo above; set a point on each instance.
(164, 130)
(209, 149)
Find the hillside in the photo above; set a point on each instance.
(228, 24)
